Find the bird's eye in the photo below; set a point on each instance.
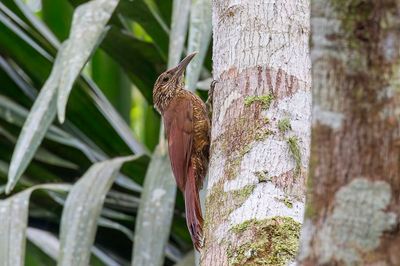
(165, 79)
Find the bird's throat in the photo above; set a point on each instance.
(163, 96)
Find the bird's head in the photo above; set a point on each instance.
(169, 82)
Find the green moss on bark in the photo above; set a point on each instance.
(294, 148)
(274, 242)
(234, 199)
(265, 100)
(284, 125)
(244, 193)
(288, 203)
(262, 176)
(237, 144)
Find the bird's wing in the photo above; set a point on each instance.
(178, 122)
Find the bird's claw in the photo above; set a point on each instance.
(201, 241)
(210, 96)
(212, 87)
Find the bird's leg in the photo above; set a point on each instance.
(209, 101)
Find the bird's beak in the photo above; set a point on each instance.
(184, 63)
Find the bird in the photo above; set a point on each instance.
(187, 129)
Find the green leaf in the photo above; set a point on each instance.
(15, 86)
(22, 16)
(36, 257)
(58, 17)
(4, 170)
(121, 199)
(87, 28)
(38, 24)
(128, 183)
(42, 154)
(155, 212)
(151, 4)
(101, 258)
(199, 39)
(179, 25)
(116, 226)
(88, 109)
(82, 209)
(114, 118)
(95, 124)
(36, 174)
(45, 241)
(108, 75)
(39, 120)
(13, 224)
(152, 127)
(150, 20)
(48, 157)
(165, 7)
(20, 28)
(138, 58)
(15, 114)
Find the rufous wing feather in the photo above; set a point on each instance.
(178, 122)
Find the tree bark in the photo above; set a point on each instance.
(353, 204)
(260, 132)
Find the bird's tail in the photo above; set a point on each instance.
(194, 218)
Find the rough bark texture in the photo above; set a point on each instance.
(261, 132)
(353, 206)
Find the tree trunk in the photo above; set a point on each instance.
(353, 208)
(261, 132)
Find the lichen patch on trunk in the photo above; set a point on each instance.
(331, 119)
(357, 221)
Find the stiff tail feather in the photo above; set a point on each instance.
(194, 218)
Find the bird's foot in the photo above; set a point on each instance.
(212, 87)
(210, 97)
(201, 242)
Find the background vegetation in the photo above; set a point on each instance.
(109, 114)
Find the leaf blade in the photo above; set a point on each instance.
(179, 26)
(116, 86)
(13, 224)
(88, 98)
(199, 39)
(38, 121)
(155, 212)
(82, 209)
(17, 115)
(88, 24)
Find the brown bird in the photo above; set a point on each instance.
(187, 128)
